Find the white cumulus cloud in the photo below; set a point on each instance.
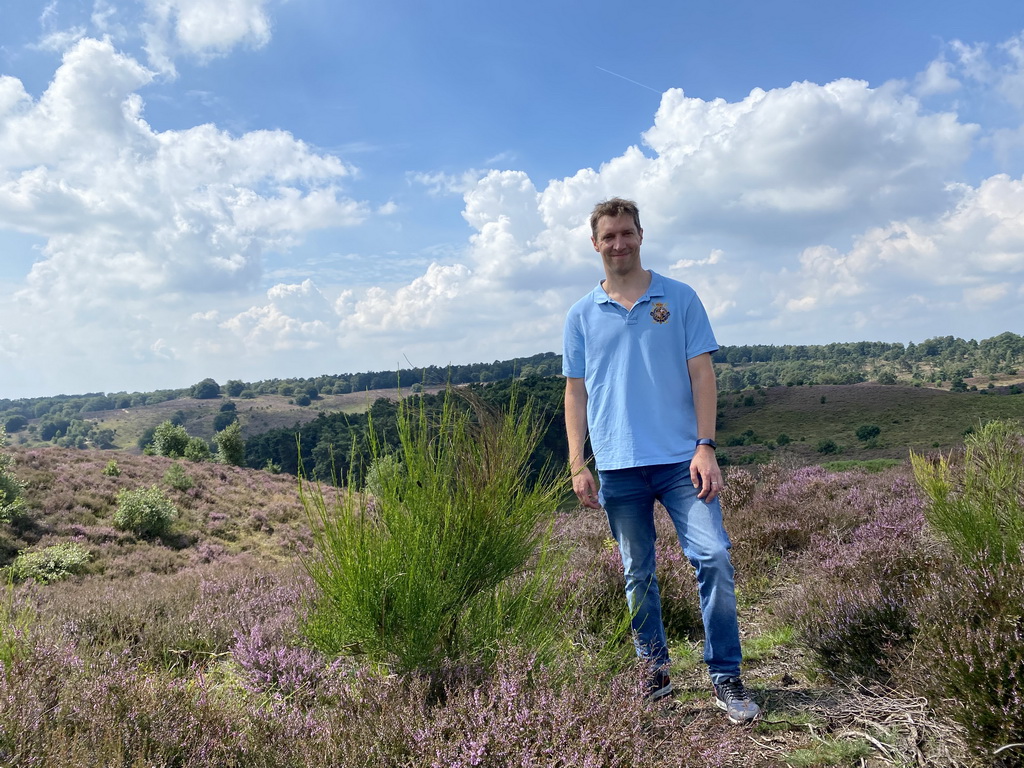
(136, 223)
(203, 29)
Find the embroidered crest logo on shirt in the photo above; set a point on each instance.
(660, 313)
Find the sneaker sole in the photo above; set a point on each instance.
(734, 720)
(661, 693)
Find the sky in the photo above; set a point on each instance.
(258, 189)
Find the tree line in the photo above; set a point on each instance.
(65, 420)
(72, 407)
(336, 447)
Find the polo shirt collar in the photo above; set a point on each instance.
(656, 288)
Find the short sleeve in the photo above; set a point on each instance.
(574, 358)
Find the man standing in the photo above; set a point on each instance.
(639, 380)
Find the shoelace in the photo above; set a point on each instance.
(732, 690)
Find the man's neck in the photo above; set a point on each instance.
(626, 289)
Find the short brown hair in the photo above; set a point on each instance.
(614, 207)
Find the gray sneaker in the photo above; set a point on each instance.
(732, 698)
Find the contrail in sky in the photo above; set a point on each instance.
(634, 82)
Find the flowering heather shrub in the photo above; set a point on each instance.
(175, 620)
(972, 652)
(783, 514)
(271, 666)
(532, 715)
(893, 544)
(853, 630)
(144, 511)
(52, 563)
(855, 605)
(59, 710)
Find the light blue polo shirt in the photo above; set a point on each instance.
(639, 402)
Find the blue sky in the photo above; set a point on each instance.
(252, 189)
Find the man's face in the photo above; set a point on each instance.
(618, 241)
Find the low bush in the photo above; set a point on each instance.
(971, 654)
(852, 632)
(230, 445)
(197, 450)
(384, 470)
(144, 511)
(177, 478)
(52, 563)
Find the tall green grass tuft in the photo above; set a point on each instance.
(977, 504)
(450, 558)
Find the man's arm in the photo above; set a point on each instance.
(583, 484)
(704, 469)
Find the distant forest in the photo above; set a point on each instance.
(942, 359)
(336, 447)
(945, 361)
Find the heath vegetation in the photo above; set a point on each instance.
(441, 609)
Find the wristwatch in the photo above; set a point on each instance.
(707, 441)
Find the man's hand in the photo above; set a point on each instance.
(585, 488)
(705, 473)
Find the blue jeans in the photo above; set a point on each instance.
(628, 497)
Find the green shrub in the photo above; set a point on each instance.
(16, 619)
(868, 432)
(197, 450)
(11, 502)
(827, 446)
(144, 511)
(223, 419)
(52, 563)
(112, 470)
(977, 503)
(177, 478)
(170, 439)
(974, 653)
(230, 445)
(449, 559)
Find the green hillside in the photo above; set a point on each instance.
(908, 418)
